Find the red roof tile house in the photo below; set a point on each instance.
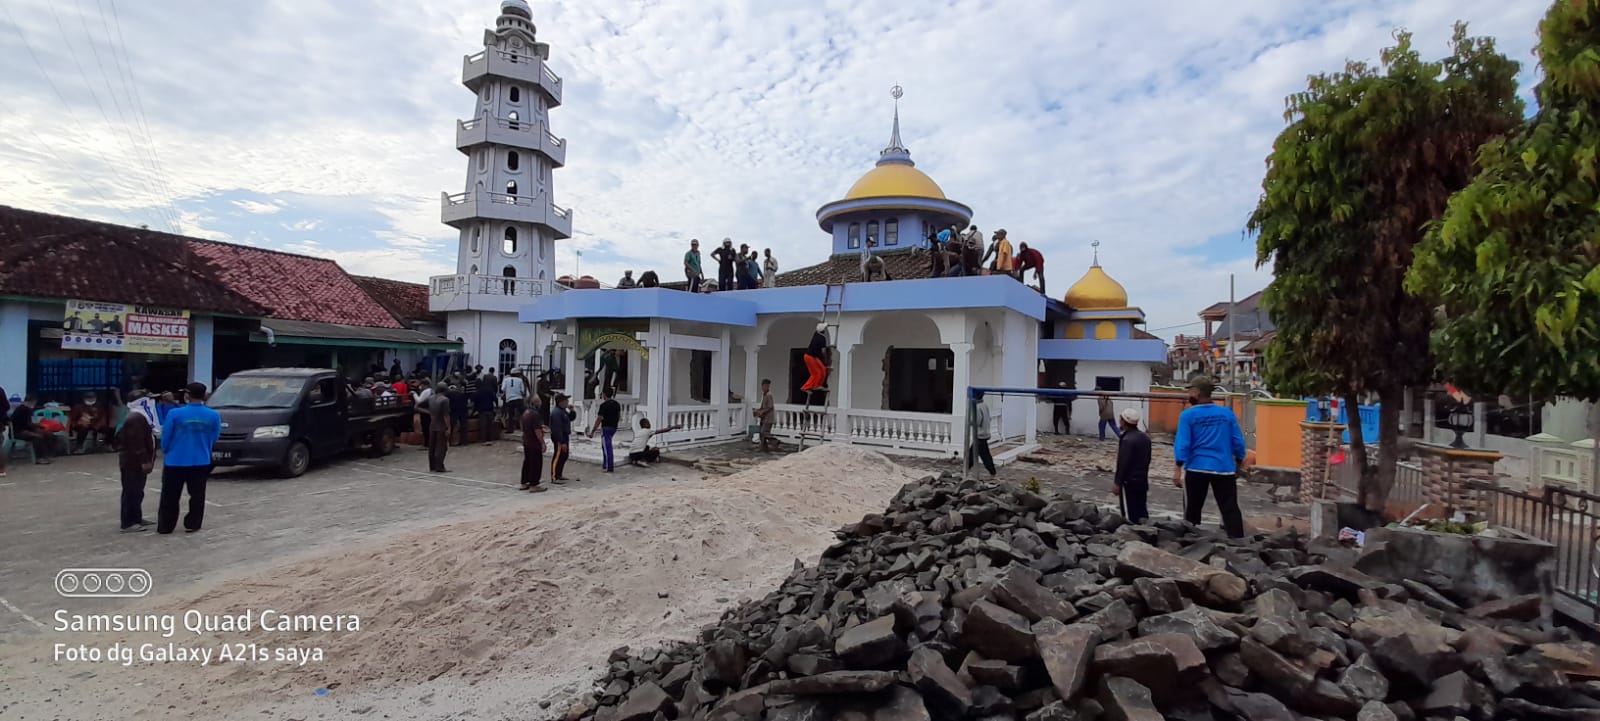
(246, 308)
(407, 302)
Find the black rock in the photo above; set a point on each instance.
(1017, 590)
(834, 683)
(643, 703)
(998, 674)
(997, 633)
(724, 663)
(1363, 681)
(939, 686)
(1126, 700)
(1066, 652)
(870, 645)
(1113, 620)
(1053, 711)
(987, 701)
(1196, 623)
(1278, 672)
(1458, 695)
(1160, 595)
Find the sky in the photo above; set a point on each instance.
(328, 128)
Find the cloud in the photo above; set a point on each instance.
(255, 208)
(1063, 123)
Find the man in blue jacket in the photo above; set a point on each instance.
(1209, 449)
(187, 436)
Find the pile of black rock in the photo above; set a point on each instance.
(970, 600)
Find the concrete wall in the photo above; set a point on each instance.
(1085, 411)
(881, 332)
(480, 334)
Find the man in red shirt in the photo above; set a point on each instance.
(1030, 259)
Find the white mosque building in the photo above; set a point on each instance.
(906, 350)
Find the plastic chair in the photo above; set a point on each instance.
(9, 446)
(59, 416)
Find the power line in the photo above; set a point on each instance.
(136, 101)
(71, 116)
(139, 152)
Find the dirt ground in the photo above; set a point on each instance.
(504, 606)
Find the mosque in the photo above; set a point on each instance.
(905, 349)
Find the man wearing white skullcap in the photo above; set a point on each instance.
(1132, 483)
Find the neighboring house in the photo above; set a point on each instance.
(1247, 323)
(243, 307)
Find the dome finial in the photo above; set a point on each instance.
(896, 151)
(1096, 246)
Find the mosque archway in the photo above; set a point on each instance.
(902, 364)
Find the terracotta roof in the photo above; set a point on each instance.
(407, 302)
(295, 287)
(1259, 345)
(54, 256)
(1142, 334)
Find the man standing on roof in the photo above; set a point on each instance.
(726, 256)
(691, 266)
(1209, 448)
(1030, 259)
(627, 280)
(769, 271)
(816, 361)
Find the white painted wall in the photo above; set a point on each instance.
(1085, 412)
(881, 332)
(481, 332)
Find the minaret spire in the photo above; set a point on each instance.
(896, 151)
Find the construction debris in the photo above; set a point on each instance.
(968, 600)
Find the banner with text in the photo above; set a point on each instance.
(119, 328)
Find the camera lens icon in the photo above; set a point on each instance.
(103, 582)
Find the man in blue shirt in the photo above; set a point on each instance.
(187, 435)
(1209, 449)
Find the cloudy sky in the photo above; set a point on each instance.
(327, 128)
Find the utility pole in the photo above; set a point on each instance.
(1233, 340)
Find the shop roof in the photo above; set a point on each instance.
(407, 302)
(300, 332)
(295, 287)
(52, 256)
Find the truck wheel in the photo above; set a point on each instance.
(386, 443)
(297, 460)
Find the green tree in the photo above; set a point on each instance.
(1515, 261)
(1370, 156)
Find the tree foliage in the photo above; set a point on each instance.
(1515, 261)
(1370, 156)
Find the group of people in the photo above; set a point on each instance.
(647, 279)
(737, 268)
(954, 253)
(91, 424)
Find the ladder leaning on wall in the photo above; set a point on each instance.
(813, 422)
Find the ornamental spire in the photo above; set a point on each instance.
(896, 151)
(1096, 246)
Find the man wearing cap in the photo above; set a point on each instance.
(691, 266)
(1132, 483)
(1209, 448)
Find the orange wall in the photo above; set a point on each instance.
(1163, 416)
(1278, 432)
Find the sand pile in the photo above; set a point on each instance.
(540, 594)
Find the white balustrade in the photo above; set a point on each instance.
(488, 285)
(894, 429)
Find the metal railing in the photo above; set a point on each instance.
(1568, 520)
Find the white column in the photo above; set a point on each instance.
(958, 395)
(843, 388)
(720, 380)
(752, 375)
(1031, 422)
(202, 348)
(1406, 412)
(658, 390)
(14, 347)
(574, 377)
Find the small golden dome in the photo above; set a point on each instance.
(1096, 291)
(895, 180)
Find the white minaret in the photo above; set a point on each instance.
(507, 216)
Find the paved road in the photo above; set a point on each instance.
(65, 515)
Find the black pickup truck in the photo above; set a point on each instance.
(290, 417)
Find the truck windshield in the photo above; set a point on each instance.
(248, 392)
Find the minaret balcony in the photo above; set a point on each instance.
(484, 130)
(462, 208)
(493, 293)
(495, 63)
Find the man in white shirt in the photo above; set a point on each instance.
(769, 267)
(514, 389)
(422, 395)
(639, 452)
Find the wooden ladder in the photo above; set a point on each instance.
(813, 422)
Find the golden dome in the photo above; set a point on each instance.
(1096, 291)
(895, 180)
